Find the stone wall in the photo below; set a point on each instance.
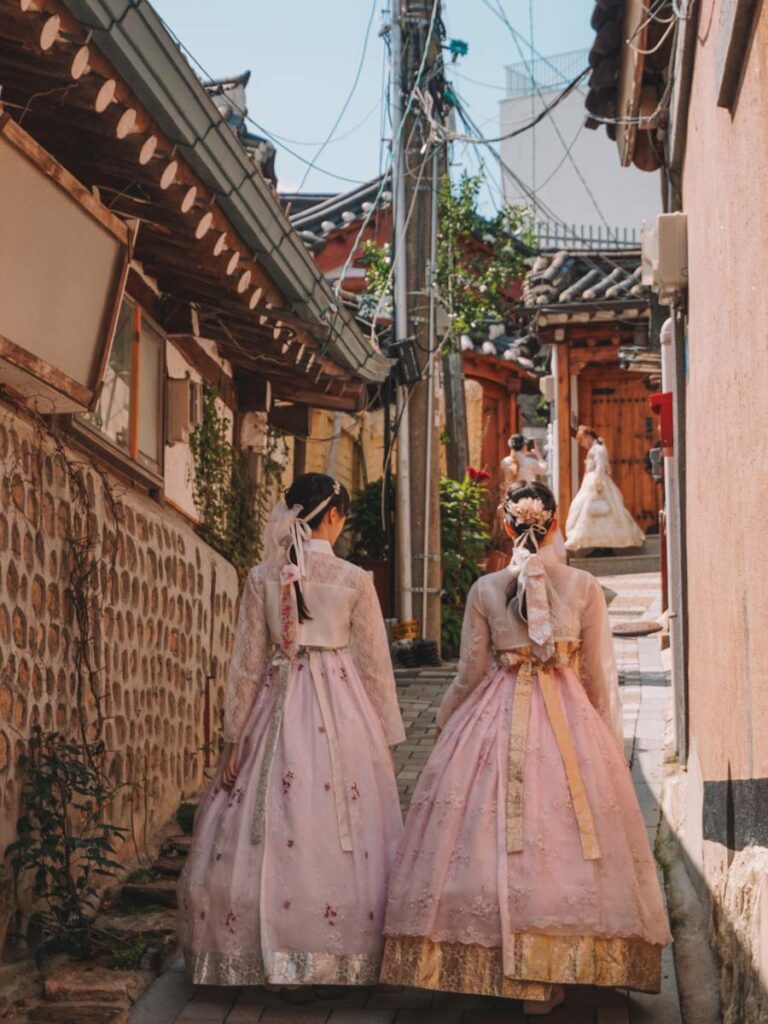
(163, 610)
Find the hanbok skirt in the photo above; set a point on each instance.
(598, 518)
(466, 915)
(287, 875)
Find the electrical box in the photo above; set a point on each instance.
(184, 408)
(547, 388)
(672, 260)
(665, 255)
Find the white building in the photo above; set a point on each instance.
(567, 165)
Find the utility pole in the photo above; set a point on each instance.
(404, 575)
(419, 170)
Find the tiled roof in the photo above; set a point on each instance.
(567, 278)
(601, 100)
(523, 350)
(228, 95)
(316, 221)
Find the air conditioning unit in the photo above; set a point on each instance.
(665, 255)
(184, 408)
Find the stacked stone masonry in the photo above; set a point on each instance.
(163, 608)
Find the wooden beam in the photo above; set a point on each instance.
(563, 413)
(206, 366)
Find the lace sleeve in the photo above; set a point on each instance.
(474, 657)
(599, 674)
(249, 656)
(370, 650)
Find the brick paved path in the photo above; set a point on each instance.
(645, 696)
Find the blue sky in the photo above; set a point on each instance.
(303, 55)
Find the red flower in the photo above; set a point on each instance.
(477, 476)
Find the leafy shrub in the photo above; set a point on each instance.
(64, 844)
(369, 536)
(463, 542)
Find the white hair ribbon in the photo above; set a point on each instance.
(288, 528)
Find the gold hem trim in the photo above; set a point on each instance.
(287, 969)
(540, 962)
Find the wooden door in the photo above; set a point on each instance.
(615, 403)
(498, 424)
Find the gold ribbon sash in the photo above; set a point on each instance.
(320, 681)
(531, 669)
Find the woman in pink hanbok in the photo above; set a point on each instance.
(293, 844)
(524, 864)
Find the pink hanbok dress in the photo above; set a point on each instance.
(525, 861)
(287, 876)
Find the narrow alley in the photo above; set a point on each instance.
(645, 697)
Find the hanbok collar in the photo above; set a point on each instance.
(322, 547)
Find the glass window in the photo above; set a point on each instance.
(112, 415)
(129, 413)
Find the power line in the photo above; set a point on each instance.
(348, 100)
(503, 16)
(207, 76)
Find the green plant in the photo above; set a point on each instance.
(227, 500)
(185, 815)
(369, 536)
(463, 542)
(64, 843)
(477, 257)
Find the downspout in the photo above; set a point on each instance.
(685, 53)
(431, 368)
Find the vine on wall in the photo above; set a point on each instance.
(233, 507)
(65, 842)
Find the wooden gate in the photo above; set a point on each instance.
(615, 403)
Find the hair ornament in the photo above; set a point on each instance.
(528, 512)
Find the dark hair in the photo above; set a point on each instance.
(590, 432)
(309, 490)
(516, 442)
(516, 493)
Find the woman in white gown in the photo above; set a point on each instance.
(598, 517)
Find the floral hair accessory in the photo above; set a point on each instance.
(528, 512)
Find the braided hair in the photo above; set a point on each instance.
(309, 490)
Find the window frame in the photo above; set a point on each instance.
(131, 461)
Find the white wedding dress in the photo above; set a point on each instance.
(597, 517)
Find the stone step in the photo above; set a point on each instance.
(156, 926)
(78, 1013)
(170, 867)
(617, 565)
(158, 893)
(176, 846)
(77, 982)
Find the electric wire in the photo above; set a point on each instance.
(503, 16)
(348, 100)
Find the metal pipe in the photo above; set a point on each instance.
(431, 369)
(400, 297)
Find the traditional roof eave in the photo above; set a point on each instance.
(582, 312)
(134, 39)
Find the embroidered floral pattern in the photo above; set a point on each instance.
(330, 914)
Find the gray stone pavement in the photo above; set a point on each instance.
(645, 696)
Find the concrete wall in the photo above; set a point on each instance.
(626, 196)
(164, 615)
(724, 194)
